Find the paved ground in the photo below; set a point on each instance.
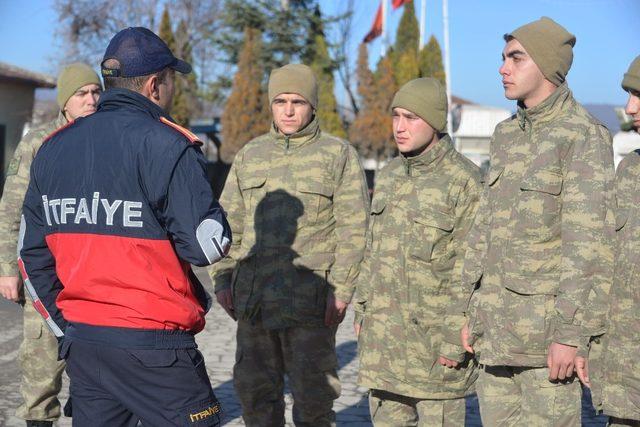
(218, 346)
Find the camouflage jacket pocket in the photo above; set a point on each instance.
(494, 173)
(532, 285)
(317, 198)
(253, 191)
(242, 287)
(529, 313)
(430, 232)
(538, 209)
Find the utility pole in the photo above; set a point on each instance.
(423, 17)
(447, 68)
(384, 28)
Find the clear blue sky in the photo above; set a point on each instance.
(607, 31)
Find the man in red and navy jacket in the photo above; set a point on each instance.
(117, 209)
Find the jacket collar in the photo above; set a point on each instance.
(60, 121)
(547, 109)
(116, 98)
(305, 135)
(420, 164)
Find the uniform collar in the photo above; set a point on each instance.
(124, 98)
(547, 109)
(61, 120)
(309, 133)
(415, 166)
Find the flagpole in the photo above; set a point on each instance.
(447, 68)
(384, 28)
(423, 13)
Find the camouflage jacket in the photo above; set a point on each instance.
(297, 207)
(620, 371)
(421, 212)
(542, 240)
(15, 187)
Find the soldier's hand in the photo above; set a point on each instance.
(465, 338)
(335, 311)
(581, 366)
(225, 299)
(10, 287)
(560, 361)
(447, 362)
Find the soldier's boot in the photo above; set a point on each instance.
(35, 423)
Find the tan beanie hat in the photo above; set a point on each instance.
(425, 97)
(631, 79)
(550, 46)
(294, 78)
(72, 78)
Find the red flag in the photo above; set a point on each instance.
(376, 28)
(397, 3)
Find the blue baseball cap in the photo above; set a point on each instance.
(140, 52)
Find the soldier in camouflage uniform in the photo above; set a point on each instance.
(297, 203)
(423, 206)
(542, 238)
(617, 378)
(78, 90)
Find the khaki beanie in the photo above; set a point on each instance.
(631, 79)
(550, 46)
(425, 97)
(72, 78)
(294, 78)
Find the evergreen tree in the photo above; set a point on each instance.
(316, 28)
(371, 131)
(180, 106)
(386, 88)
(185, 99)
(408, 33)
(285, 30)
(166, 29)
(430, 60)
(406, 68)
(245, 114)
(327, 111)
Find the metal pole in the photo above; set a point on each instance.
(384, 28)
(447, 68)
(423, 14)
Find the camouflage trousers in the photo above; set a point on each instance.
(41, 369)
(393, 410)
(307, 355)
(524, 396)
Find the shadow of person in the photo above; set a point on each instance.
(283, 290)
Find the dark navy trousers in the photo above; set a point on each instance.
(120, 376)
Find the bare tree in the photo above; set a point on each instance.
(340, 51)
(86, 26)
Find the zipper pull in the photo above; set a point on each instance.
(286, 143)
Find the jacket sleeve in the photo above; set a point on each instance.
(232, 199)
(587, 232)
(472, 267)
(363, 283)
(194, 219)
(454, 319)
(15, 188)
(351, 213)
(36, 262)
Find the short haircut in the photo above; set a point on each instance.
(131, 83)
